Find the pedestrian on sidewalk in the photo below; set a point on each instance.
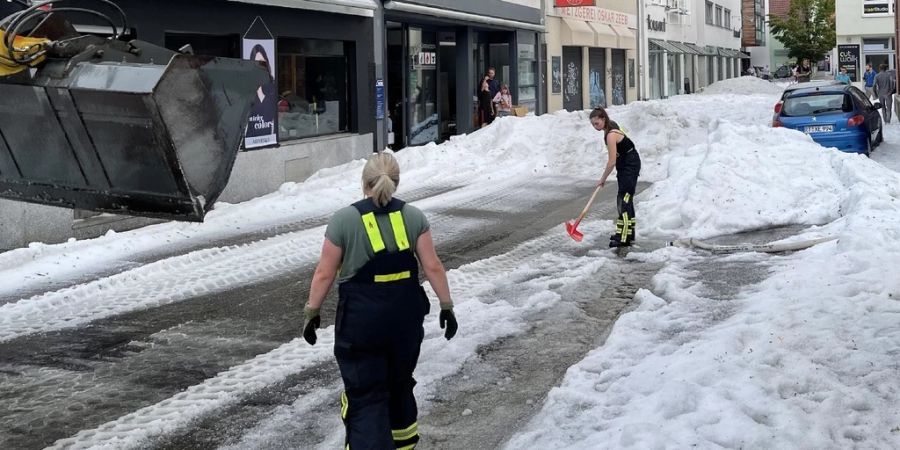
(371, 247)
(623, 157)
(803, 72)
(885, 87)
(869, 78)
(843, 76)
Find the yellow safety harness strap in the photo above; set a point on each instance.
(393, 277)
(374, 233)
(399, 230)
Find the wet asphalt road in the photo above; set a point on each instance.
(53, 385)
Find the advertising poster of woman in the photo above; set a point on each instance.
(261, 127)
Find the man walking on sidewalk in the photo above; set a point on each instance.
(885, 87)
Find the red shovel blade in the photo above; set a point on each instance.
(572, 229)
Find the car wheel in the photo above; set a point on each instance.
(880, 138)
(868, 147)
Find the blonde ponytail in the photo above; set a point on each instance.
(380, 178)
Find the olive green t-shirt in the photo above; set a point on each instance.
(346, 230)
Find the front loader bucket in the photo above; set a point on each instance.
(155, 137)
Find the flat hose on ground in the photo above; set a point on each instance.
(764, 248)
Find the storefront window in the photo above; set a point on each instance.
(875, 45)
(672, 75)
(422, 89)
(313, 79)
(597, 77)
(656, 77)
(527, 76)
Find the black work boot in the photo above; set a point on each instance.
(616, 241)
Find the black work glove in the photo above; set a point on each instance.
(310, 323)
(447, 318)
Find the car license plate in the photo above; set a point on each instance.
(819, 129)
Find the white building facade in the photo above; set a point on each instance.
(687, 45)
(865, 35)
(591, 55)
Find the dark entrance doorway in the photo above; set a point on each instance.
(396, 59)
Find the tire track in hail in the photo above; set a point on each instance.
(481, 275)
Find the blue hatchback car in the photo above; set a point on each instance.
(839, 116)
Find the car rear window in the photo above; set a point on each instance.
(817, 105)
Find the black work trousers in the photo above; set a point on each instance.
(628, 168)
(378, 334)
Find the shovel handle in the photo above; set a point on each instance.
(588, 206)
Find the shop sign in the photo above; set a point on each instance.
(571, 3)
(876, 8)
(656, 25)
(427, 58)
(848, 58)
(599, 15)
(379, 98)
(423, 57)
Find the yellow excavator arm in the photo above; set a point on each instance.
(24, 48)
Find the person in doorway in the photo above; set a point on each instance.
(372, 248)
(885, 87)
(503, 102)
(843, 76)
(485, 102)
(623, 157)
(803, 72)
(869, 80)
(493, 84)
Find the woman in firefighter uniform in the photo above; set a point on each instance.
(623, 157)
(372, 247)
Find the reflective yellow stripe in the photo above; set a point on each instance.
(408, 447)
(374, 233)
(345, 404)
(399, 230)
(392, 277)
(627, 198)
(406, 433)
(625, 224)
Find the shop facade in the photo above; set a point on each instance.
(689, 45)
(436, 53)
(866, 34)
(591, 55)
(322, 57)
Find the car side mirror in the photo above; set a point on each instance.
(876, 106)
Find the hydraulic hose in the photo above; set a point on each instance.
(763, 248)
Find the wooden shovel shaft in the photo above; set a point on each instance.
(588, 206)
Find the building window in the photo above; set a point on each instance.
(718, 16)
(728, 19)
(527, 77)
(313, 82)
(709, 13)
